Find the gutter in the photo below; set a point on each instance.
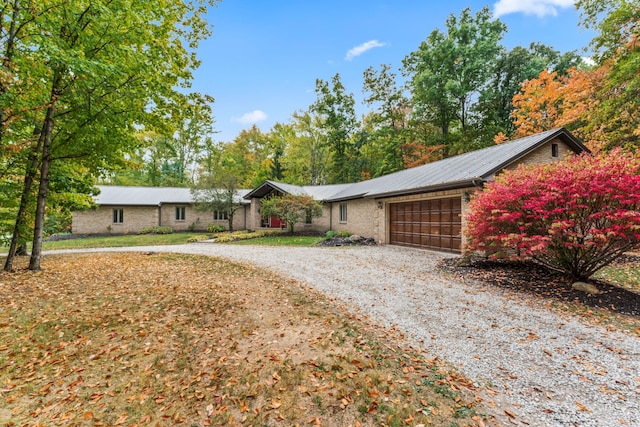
(473, 182)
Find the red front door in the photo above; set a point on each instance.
(275, 222)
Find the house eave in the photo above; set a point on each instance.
(456, 185)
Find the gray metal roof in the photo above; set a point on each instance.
(318, 192)
(456, 172)
(115, 195)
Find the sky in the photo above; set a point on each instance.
(263, 58)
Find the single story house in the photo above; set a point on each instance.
(420, 207)
(124, 210)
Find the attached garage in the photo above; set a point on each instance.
(430, 224)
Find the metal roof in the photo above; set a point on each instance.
(456, 172)
(115, 195)
(318, 192)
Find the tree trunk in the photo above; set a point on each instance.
(29, 179)
(36, 251)
(230, 217)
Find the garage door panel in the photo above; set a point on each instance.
(433, 224)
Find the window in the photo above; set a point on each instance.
(180, 213)
(220, 216)
(343, 212)
(554, 150)
(308, 218)
(118, 216)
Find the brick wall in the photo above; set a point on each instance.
(543, 154)
(199, 220)
(98, 221)
(362, 217)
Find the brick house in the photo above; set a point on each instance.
(420, 207)
(123, 210)
(423, 206)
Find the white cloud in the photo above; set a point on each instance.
(251, 118)
(588, 60)
(359, 50)
(539, 8)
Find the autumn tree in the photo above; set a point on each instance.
(574, 216)
(617, 47)
(537, 107)
(513, 68)
(291, 208)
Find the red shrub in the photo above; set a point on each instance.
(574, 216)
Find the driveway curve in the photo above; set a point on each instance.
(549, 370)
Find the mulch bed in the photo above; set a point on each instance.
(347, 241)
(534, 279)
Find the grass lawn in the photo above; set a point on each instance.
(116, 241)
(281, 241)
(168, 239)
(163, 339)
(624, 275)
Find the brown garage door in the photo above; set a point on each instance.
(432, 224)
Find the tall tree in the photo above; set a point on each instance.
(337, 109)
(617, 47)
(512, 68)
(388, 122)
(306, 157)
(449, 70)
(108, 67)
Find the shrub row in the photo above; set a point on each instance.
(156, 230)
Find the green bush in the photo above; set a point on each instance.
(156, 230)
(215, 228)
(245, 235)
(330, 234)
(344, 234)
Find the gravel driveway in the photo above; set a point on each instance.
(549, 370)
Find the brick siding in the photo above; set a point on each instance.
(100, 220)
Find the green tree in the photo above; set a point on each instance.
(449, 70)
(291, 208)
(387, 123)
(217, 192)
(617, 47)
(105, 68)
(512, 68)
(306, 156)
(337, 109)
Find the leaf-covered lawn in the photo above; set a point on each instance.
(158, 339)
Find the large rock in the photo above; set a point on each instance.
(586, 287)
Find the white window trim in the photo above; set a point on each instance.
(220, 216)
(343, 213)
(117, 216)
(183, 211)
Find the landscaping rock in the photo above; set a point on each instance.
(586, 287)
(348, 241)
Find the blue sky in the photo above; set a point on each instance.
(263, 59)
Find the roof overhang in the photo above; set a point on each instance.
(262, 190)
(456, 185)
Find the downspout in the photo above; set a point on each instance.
(245, 216)
(331, 216)
(160, 214)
